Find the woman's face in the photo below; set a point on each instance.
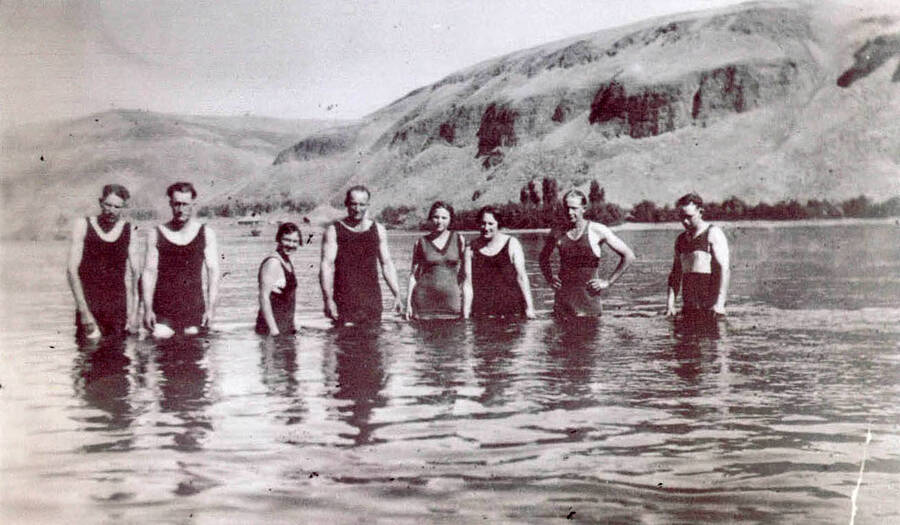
(440, 220)
(488, 225)
(289, 243)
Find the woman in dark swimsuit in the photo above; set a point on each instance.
(278, 284)
(496, 281)
(437, 270)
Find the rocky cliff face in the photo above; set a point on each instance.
(737, 101)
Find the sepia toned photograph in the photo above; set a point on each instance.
(512, 261)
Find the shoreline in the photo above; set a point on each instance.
(645, 226)
(269, 220)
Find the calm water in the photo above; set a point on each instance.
(621, 421)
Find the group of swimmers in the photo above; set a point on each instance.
(449, 278)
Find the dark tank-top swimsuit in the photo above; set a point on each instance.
(356, 288)
(282, 302)
(578, 265)
(102, 274)
(495, 288)
(178, 298)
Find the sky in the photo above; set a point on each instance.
(323, 59)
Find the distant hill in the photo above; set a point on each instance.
(53, 171)
(765, 100)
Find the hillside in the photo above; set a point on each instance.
(54, 171)
(763, 100)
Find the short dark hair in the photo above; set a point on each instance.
(493, 211)
(359, 188)
(438, 205)
(689, 198)
(117, 189)
(181, 187)
(575, 192)
(287, 228)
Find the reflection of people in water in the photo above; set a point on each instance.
(578, 286)
(183, 388)
(360, 378)
(494, 344)
(102, 269)
(435, 281)
(701, 265)
(352, 250)
(440, 360)
(278, 284)
(177, 254)
(571, 352)
(496, 280)
(278, 366)
(101, 379)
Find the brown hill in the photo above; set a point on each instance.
(762, 100)
(54, 171)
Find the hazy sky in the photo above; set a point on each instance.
(300, 59)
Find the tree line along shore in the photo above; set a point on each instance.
(539, 206)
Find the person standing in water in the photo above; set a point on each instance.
(496, 282)
(102, 269)
(352, 250)
(178, 252)
(435, 281)
(701, 265)
(579, 286)
(278, 284)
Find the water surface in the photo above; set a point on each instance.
(626, 420)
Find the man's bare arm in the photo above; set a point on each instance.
(326, 270)
(76, 251)
(148, 278)
(722, 257)
(132, 275)
(674, 285)
(388, 271)
(211, 261)
(626, 255)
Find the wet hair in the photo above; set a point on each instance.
(438, 205)
(181, 187)
(357, 188)
(493, 211)
(287, 228)
(689, 198)
(575, 192)
(116, 189)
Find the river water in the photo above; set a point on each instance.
(626, 420)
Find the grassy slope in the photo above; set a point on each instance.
(818, 141)
(144, 151)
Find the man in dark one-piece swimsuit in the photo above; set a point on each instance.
(353, 249)
(178, 252)
(102, 270)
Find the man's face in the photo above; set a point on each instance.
(357, 204)
(111, 207)
(690, 216)
(574, 209)
(182, 205)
